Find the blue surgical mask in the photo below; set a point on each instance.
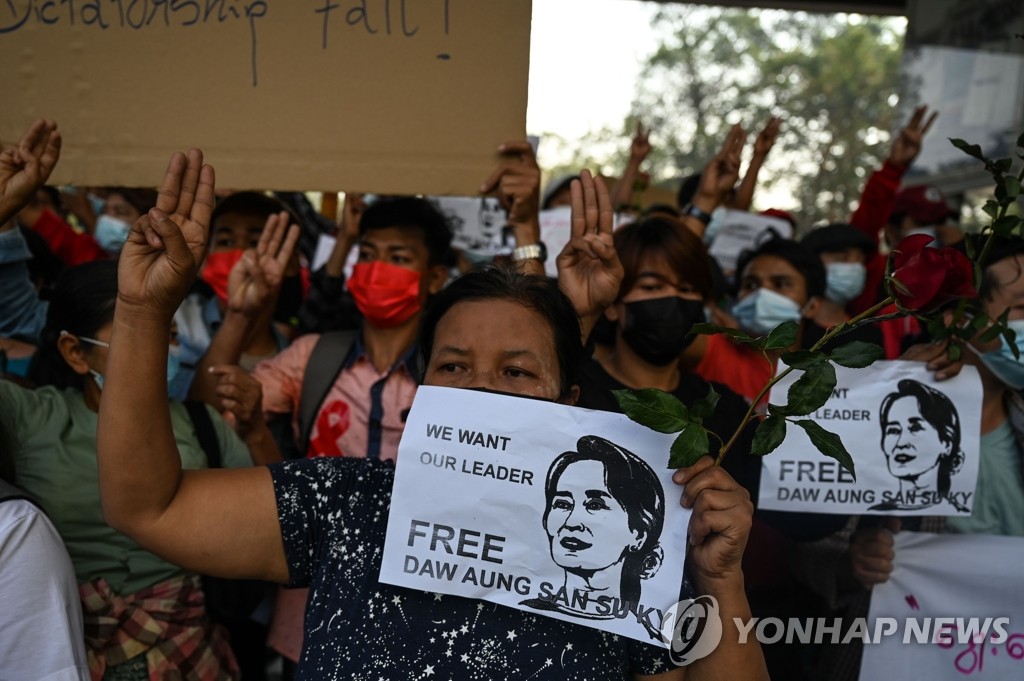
(97, 203)
(716, 224)
(111, 233)
(1002, 363)
(14, 367)
(844, 281)
(763, 310)
(475, 258)
(173, 360)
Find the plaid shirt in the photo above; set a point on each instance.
(167, 622)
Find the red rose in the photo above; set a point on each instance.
(930, 277)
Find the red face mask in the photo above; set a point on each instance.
(216, 270)
(387, 295)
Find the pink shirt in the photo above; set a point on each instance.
(364, 411)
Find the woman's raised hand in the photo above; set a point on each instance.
(589, 270)
(25, 166)
(166, 246)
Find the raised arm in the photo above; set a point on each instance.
(589, 269)
(220, 522)
(25, 166)
(517, 183)
(639, 150)
(762, 146)
(716, 181)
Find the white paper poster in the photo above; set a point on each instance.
(479, 224)
(955, 609)
(556, 510)
(742, 231)
(914, 442)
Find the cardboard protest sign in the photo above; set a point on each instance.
(560, 511)
(357, 95)
(479, 224)
(742, 231)
(953, 605)
(914, 441)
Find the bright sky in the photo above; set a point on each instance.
(585, 58)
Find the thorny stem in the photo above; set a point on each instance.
(829, 335)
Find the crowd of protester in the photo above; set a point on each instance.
(148, 336)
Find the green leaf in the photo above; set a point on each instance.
(997, 329)
(1003, 165)
(1005, 225)
(703, 408)
(656, 409)
(828, 444)
(802, 359)
(770, 434)
(735, 334)
(972, 150)
(1012, 186)
(1010, 336)
(782, 336)
(991, 208)
(811, 390)
(857, 355)
(1020, 141)
(689, 446)
(954, 352)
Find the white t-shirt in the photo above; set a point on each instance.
(41, 635)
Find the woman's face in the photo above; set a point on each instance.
(495, 344)
(587, 528)
(911, 444)
(121, 209)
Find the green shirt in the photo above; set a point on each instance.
(53, 437)
(999, 497)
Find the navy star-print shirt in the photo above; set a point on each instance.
(333, 513)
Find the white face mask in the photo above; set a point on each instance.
(763, 310)
(111, 233)
(927, 231)
(844, 281)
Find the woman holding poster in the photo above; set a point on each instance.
(321, 522)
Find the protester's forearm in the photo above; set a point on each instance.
(335, 265)
(527, 233)
(745, 191)
(139, 464)
(622, 195)
(731, 660)
(262, 447)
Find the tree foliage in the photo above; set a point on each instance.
(832, 78)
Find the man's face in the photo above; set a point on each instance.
(776, 274)
(403, 247)
(236, 232)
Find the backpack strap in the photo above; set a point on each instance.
(205, 432)
(322, 370)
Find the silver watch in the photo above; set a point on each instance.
(531, 251)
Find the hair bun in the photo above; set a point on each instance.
(652, 562)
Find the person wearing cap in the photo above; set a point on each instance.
(922, 209)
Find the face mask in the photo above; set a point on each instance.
(97, 203)
(14, 367)
(111, 233)
(173, 359)
(386, 294)
(763, 310)
(1002, 363)
(716, 224)
(217, 269)
(927, 231)
(478, 258)
(658, 330)
(844, 281)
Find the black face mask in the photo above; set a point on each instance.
(658, 330)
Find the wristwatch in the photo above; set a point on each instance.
(692, 211)
(530, 251)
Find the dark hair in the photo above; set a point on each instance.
(406, 212)
(688, 189)
(249, 203)
(939, 411)
(667, 238)
(539, 294)
(636, 487)
(802, 259)
(44, 267)
(141, 199)
(837, 237)
(82, 303)
(1003, 247)
(556, 187)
